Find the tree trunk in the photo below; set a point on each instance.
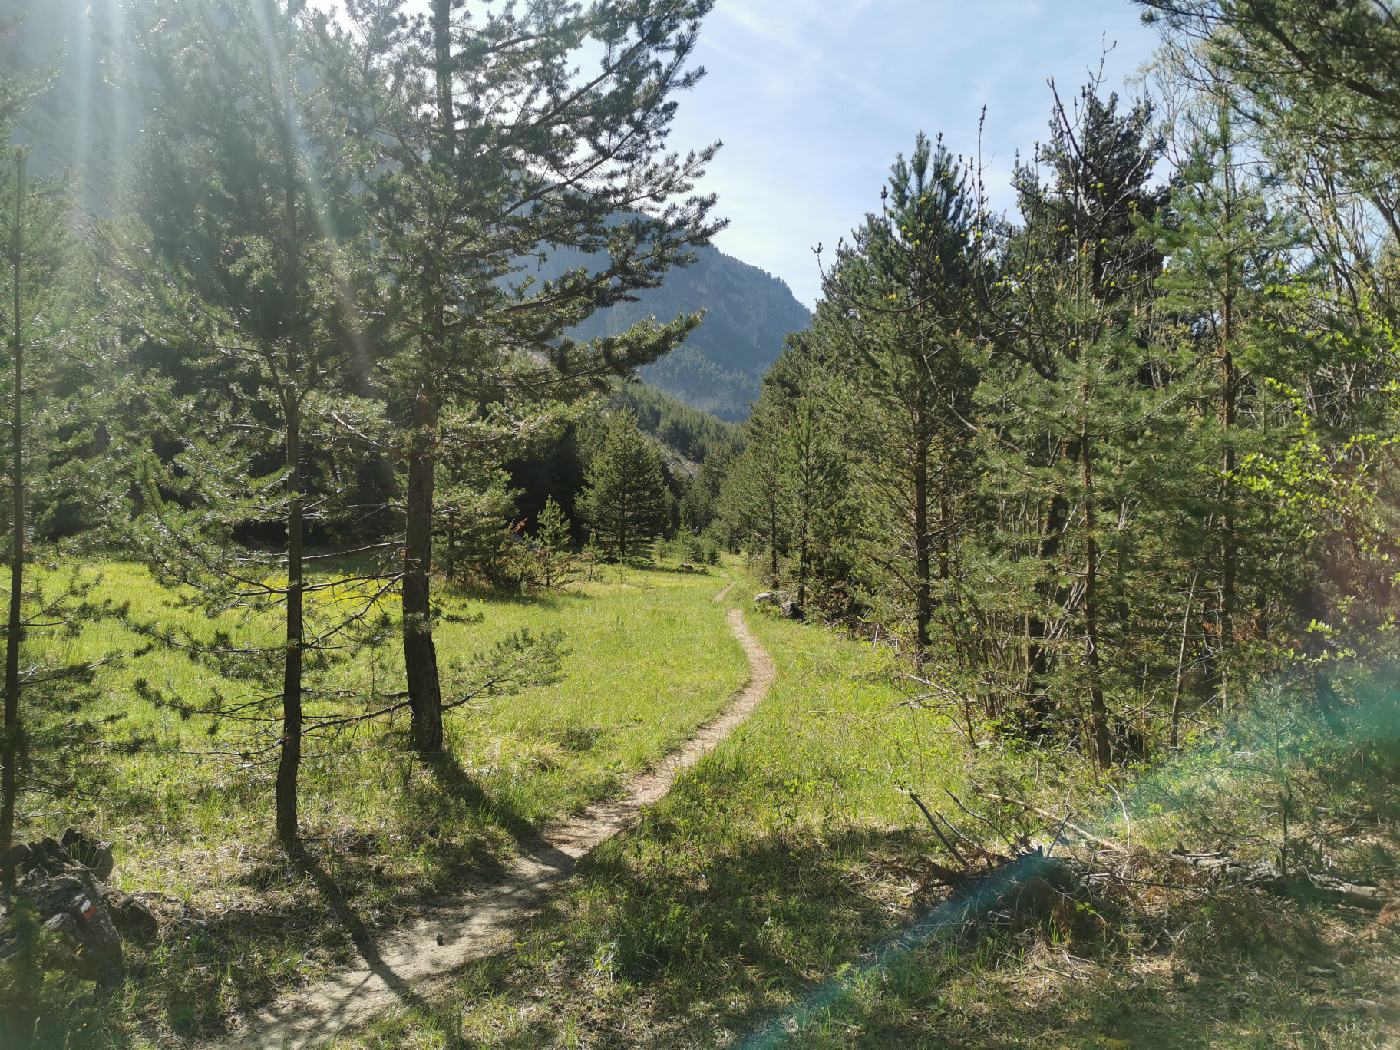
(9, 760)
(1228, 384)
(289, 763)
(1098, 708)
(624, 532)
(923, 546)
(804, 554)
(945, 527)
(1037, 651)
(1228, 539)
(773, 542)
(419, 651)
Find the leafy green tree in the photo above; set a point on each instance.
(625, 501)
(489, 150)
(1313, 86)
(1312, 89)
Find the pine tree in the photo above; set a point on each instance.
(900, 307)
(1077, 378)
(795, 503)
(552, 544)
(625, 501)
(491, 152)
(247, 217)
(48, 318)
(1223, 294)
(33, 226)
(752, 500)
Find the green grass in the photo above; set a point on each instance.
(777, 860)
(649, 658)
(754, 907)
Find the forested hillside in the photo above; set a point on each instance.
(748, 314)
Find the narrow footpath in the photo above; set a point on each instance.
(395, 969)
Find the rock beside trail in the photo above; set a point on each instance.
(785, 604)
(82, 922)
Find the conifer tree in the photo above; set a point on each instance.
(48, 320)
(491, 152)
(796, 503)
(1078, 279)
(817, 476)
(34, 231)
(552, 544)
(1226, 292)
(900, 306)
(752, 499)
(625, 501)
(247, 213)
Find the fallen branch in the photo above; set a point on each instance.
(931, 823)
(1061, 821)
(1226, 870)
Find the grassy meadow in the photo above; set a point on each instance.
(767, 901)
(648, 659)
(757, 906)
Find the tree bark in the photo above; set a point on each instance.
(289, 765)
(1037, 630)
(9, 760)
(1228, 412)
(923, 546)
(772, 540)
(419, 650)
(624, 531)
(1098, 708)
(289, 762)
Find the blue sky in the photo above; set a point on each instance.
(814, 98)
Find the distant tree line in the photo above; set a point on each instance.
(1103, 465)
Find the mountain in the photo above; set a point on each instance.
(748, 314)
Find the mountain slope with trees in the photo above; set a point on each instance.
(747, 315)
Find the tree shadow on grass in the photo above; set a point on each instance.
(330, 894)
(820, 927)
(360, 934)
(745, 926)
(1236, 966)
(60, 1013)
(455, 792)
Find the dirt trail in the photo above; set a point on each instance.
(473, 927)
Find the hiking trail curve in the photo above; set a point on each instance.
(395, 966)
